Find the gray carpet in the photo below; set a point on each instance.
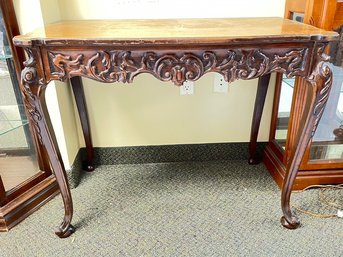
(219, 208)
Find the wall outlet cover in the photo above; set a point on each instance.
(187, 88)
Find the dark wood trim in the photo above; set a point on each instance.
(23, 187)
(21, 207)
(3, 197)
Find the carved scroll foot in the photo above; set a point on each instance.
(88, 166)
(290, 223)
(65, 231)
(253, 160)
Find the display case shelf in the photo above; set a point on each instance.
(10, 119)
(8, 126)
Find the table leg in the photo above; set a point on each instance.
(320, 83)
(77, 87)
(49, 142)
(33, 88)
(262, 88)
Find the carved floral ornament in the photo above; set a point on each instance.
(123, 66)
(30, 78)
(323, 73)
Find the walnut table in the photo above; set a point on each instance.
(173, 50)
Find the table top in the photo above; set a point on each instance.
(173, 31)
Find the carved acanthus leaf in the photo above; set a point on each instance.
(123, 66)
(29, 78)
(321, 80)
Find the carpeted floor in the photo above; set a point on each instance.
(221, 208)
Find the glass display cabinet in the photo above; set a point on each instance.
(16, 146)
(323, 160)
(26, 181)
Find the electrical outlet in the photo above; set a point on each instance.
(220, 85)
(187, 88)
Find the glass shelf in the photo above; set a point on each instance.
(10, 118)
(8, 126)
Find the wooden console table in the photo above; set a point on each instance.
(173, 50)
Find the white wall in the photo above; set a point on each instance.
(150, 9)
(28, 20)
(58, 95)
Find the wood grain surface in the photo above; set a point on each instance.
(175, 31)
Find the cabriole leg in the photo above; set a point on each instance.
(320, 81)
(33, 88)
